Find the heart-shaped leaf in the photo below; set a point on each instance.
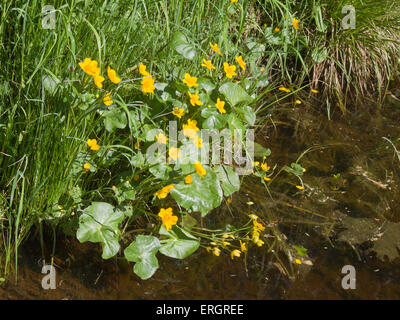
(234, 93)
(181, 44)
(228, 178)
(143, 252)
(248, 114)
(181, 243)
(100, 223)
(115, 118)
(203, 194)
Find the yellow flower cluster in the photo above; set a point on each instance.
(92, 143)
(257, 228)
(167, 217)
(148, 81)
(163, 193)
(91, 68)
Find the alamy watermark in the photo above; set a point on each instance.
(349, 21)
(349, 280)
(49, 280)
(49, 17)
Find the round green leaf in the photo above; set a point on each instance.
(100, 223)
(180, 245)
(143, 252)
(203, 194)
(234, 93)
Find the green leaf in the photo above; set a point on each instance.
(234, 93)
(143, 252)
(248, 114)
(115, 118)
(235, 123)
(181, 243)
(319, 54)
(301, 251)
(260, 151)
(138, 160)
(206, 84)
(295, 169)
(50, 84)
(161, 171)
(100, 223)
(181, 45)
(214, 120)
(228, 178)
(203, 194)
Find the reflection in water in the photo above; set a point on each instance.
(350, 170)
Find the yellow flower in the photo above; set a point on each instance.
(107, 99)
(243, 246)
(277, 29)
(284, 89)
(228, 200)
(298, 261)
(295, 23)
(216, 251)
(98, 79)
(195, 99)
(148, 85)
(199, 169)
(174, 153)
(229, 70)
(90, 67)
(225, 244)
(208, 64)
(267, 179)
(197, 142)
(259, 242)
(220, 106)
(258, 226)
(314, 91)
(225, 236)
(253, 216)
(262, 69)
(137, 143)
(215, 48)
(190, 81)
(142, 70)
(178, 112)
(241, 63)
(92, 143)
(113, 75)
(161, 138)
(188, 179)
(235, 253)
(298, 102)
(163, 193)
(300, 187)
(168, 219)
(234, 1)
(190, 128)
(265, 166)
(208, 249)
(86, 166)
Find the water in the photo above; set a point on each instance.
(367, 187)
